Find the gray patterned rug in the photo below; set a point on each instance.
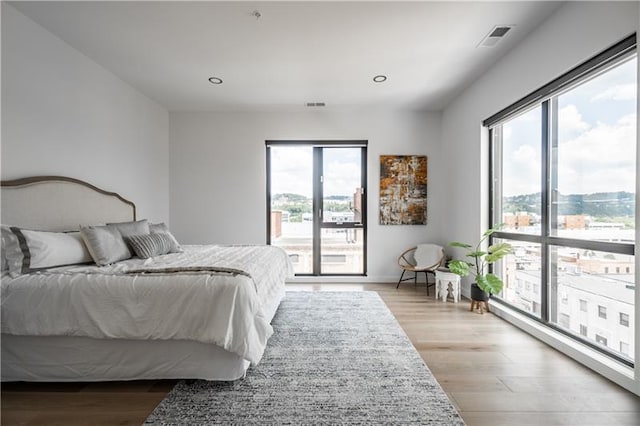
(335, 358)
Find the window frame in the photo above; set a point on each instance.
(584, 330)
(545, 97)
(585, 305)
(602, 312)
(317, 210)
(623, 319)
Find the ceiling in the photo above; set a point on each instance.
(294, 52)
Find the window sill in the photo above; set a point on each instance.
(607, 367)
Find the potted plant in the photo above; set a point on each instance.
(485, 283)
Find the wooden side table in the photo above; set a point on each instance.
(443, 280)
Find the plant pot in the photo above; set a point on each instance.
(478, 294)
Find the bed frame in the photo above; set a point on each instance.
(58, 203)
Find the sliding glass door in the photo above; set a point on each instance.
(316, 199)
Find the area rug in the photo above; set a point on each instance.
(334, 358)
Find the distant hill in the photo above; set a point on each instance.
(598, 204)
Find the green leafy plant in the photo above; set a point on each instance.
(479, 267)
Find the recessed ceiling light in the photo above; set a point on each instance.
(215, 80)
(380, 78)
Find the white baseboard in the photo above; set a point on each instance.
(344, 279)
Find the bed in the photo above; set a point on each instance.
(195, 312)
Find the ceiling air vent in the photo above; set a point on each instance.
(496, 34)
(315, 104)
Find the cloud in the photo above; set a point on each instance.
(341, 178)
(601, 159)
(521, 171)
(291, 170)
(570, 123)
(619, 92)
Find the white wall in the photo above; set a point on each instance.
(63, 114)
(218, 173)
(577, 31)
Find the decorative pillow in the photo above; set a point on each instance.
(427, 255)
(105, 243)
(150, 245)
(29, 251)
(162, 227)
(127, 229)
(154, 228)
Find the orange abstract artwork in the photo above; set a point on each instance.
(403, 189)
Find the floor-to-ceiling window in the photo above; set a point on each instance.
(563, 187)
(316, 204)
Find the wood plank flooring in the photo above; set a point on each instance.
(493, 373)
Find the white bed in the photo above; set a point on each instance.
(89, 323)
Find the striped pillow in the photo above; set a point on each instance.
(150, 245)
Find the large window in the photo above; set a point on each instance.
(563, 186)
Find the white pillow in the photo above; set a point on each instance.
(30, 251)
(427, 255)
(105, 243)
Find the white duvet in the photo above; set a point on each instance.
(109, 302)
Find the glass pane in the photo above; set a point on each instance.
(342, 251)
(518, 165)
(342, 181)
(291, 204)
(594, 162)
(521, 272)
(594, 295)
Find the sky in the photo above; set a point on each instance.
(596, 138)
(292, 168)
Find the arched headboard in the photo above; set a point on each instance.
(59, 203)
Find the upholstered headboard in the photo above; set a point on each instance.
(58, 203)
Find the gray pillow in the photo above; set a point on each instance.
(127, 229)
(5, 244)
(154, 228)
(105, 243)
(150, 245)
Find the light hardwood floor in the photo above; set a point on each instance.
(493, 373)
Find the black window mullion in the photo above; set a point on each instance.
(363, 205)
(268, 195)
(618, 248)
(317, 209)
(550, 209)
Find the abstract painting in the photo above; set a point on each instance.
(403, 189)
